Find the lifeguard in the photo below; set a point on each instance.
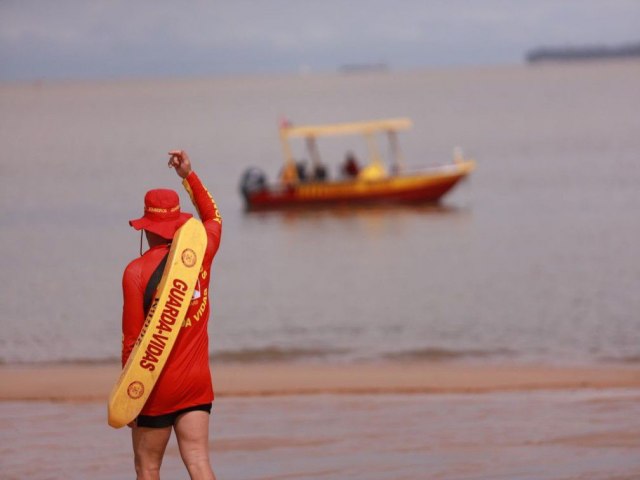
(182, 397)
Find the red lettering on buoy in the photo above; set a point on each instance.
(155, 347)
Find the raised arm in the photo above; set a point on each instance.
(200, 196)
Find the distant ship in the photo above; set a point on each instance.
(598, 52)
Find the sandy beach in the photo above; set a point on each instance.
(69, 382)
(369, 421)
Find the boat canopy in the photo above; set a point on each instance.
(354, 128)
(368, 129)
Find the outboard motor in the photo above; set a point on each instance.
(253, 180)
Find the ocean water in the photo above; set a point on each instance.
(533, 259)
(586, 435)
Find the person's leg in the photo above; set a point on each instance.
(192, 432)
(149, 445)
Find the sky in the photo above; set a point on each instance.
(71, 39)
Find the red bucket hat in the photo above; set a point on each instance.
(162, 214)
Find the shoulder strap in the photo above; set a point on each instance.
(152, 285)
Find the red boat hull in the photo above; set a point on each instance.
(424, 187)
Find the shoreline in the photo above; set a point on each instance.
(92, 383)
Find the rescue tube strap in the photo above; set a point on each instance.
(152, 286)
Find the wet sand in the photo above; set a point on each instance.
(384, 421)
(563, 434)
(93, 382)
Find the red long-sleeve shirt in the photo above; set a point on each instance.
(185, 380)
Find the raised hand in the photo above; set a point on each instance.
(181, 162)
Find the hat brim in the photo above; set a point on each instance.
(164, 228)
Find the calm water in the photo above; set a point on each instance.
(584, 435)
(534, 259)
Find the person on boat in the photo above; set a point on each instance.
(289, 173)
(182, 397)
(350, 167)
(301, 170)
(319, 172)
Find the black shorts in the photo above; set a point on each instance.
(168, 419)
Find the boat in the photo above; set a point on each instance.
(372, 183)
